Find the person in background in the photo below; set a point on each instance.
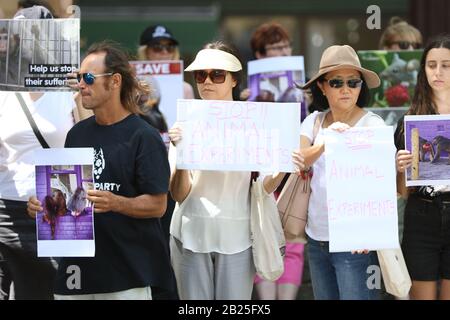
(272, 40)
(158, 43)
(426, 236)
(210, 241)
(400, 35)
(269, 40)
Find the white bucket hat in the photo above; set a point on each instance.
(215, 59)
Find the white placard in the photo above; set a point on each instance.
(65, 228)
(166, 78)
(237, 135)
(361, 189)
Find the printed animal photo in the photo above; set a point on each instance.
(67, 214)
(398, 73)
(428, 139)
(38, 54)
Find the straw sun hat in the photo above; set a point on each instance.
(342, 57)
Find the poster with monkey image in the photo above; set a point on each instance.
(427, 137)
(65, 226)
(37, 55)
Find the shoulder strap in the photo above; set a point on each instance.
(317, 124)
(33, 125)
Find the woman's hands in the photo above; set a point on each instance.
(339, 126)
(403, 160)
(299, 161)
(175, 134)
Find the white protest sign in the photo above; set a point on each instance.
(237, 135)
(166, 81)
(361, 189)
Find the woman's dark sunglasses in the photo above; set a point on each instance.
(158, 47)
(216, 76)
(339, 83)
(89, 78)
(404, 45)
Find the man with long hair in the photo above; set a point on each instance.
(130, 191)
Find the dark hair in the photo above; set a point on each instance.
(60, 202)
(267, 33)
(237, 76)
(50, 213)
(422, 102)
(154, 117)
(321, 101)
(30, 3)
(116, 61)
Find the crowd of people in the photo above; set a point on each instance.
(173, 233)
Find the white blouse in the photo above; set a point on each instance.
(215, 216)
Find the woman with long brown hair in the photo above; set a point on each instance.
(426, 235)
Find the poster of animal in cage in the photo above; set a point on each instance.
(273, 80)
(398, 74)
(428, 139)
(65, 226)
(37, 55)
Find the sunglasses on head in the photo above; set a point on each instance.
(158, 47)
(216, 76)
(89, 78)
(339, 83)
(404, 45)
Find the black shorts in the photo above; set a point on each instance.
(426, 239)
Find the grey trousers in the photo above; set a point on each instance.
(212, 276)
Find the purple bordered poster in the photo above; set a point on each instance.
(65, 227)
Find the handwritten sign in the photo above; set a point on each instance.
(166, 82)
(361, 189)
(238, 136)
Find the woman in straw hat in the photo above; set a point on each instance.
(426, 236)
(210, 230)
(341, 87)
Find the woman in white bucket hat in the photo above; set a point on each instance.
(210, 230)
(341, 88)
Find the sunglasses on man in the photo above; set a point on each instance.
(158, 47)
(339, 83)
(216, 76)
(89, 78)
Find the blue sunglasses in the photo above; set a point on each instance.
(89, 78)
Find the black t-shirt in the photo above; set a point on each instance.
(130, 160)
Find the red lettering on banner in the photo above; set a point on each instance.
(157, 68)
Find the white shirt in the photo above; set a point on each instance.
(52, 113)
(317, 226)
(215, 216)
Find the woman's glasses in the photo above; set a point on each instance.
(216, 76)
(89, 78)
(339, 83)
(158, 47)
(404, 45)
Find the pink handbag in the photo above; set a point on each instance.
(294, 199)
